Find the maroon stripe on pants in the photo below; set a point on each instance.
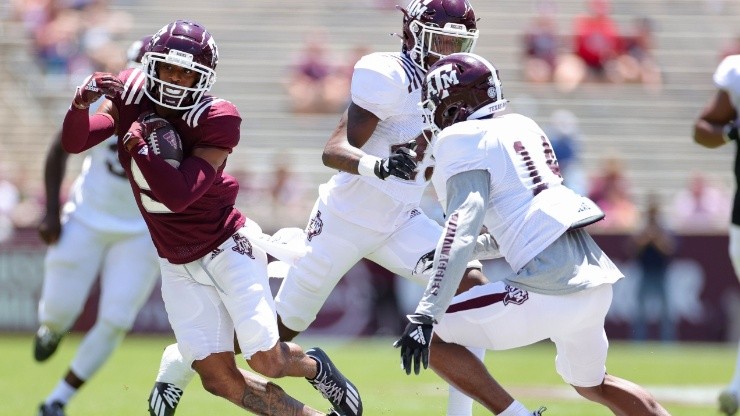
(478, 302)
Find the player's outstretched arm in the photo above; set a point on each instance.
(55, 166)
(80, 131)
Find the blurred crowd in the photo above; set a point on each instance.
(595, 50)
(70, 38)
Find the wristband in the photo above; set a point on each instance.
(131, 142)
(74, 101)
(366, 167)
(729, 132)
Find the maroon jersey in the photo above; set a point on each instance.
(182, 237)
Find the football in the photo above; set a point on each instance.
(165, 142)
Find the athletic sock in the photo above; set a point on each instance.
(516, 409)
(61, 393)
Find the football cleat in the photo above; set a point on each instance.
(45, 343)
(539, 411)
(51, 409)
(342, 394)
(728, 402)
(164, 399)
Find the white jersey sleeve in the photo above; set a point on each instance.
(377, 86)
(727, 78)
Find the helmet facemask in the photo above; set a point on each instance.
(175, 96)
(433, 29)
(432, 43)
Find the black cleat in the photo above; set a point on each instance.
(52, 409)
(45, 343)
(728, 403)
(342, 394)
(164, 399)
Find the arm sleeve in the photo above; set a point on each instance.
(176, 188)
(81, 131)
(467, 194)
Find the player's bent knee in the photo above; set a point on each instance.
(217, 386)
(594, 394)
(271, 363)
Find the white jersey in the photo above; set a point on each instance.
(727, 78)
(388, 85)
(528, 207)
(101, 196)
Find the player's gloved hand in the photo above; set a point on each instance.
(141, 129)
(94, 87)
(414, 342)
(400, 164)
(730, 132)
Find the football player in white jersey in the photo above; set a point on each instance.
(501, 170)
(370, 209)
(716, 126)
(97, 232)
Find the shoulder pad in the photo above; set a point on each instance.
(210, 108)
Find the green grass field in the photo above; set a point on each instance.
(685, 377)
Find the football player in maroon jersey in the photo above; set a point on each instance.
(214, 281)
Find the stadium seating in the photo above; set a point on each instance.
(257, 41)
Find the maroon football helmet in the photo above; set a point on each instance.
(185, 44)
(433, 29)
(136, 51)
(459, 87)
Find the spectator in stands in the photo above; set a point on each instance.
(596, 43)
(653, 247)
(287, 193)
(313, 84)
(702, 207)
(637, 63)
(541, 48)
(56, 41)
(102, 28)
(610, 190)
(73, 37)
